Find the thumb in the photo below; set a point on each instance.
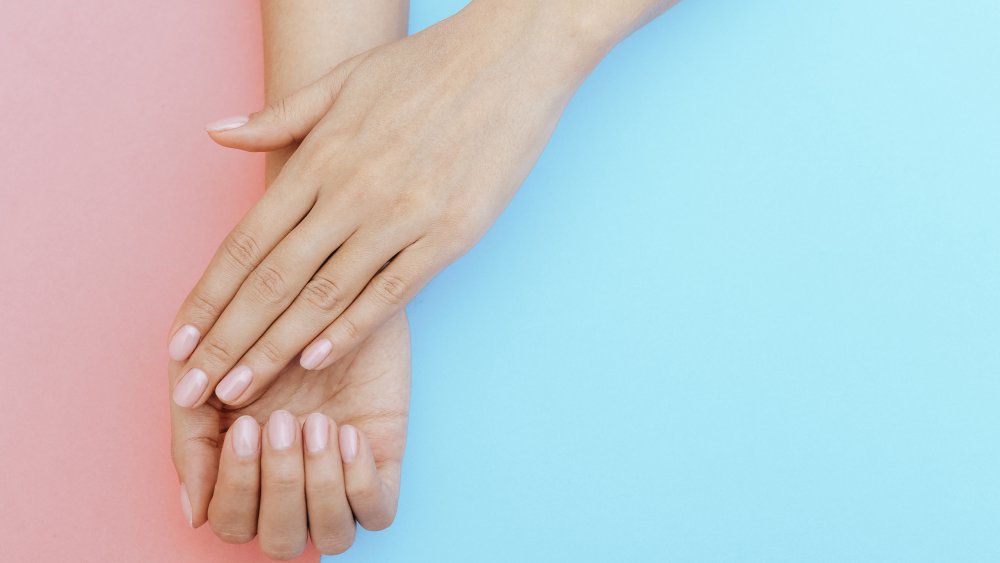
(286, 121)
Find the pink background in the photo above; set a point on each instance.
(113, 199)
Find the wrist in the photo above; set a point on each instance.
(564, 43)
(585, 29)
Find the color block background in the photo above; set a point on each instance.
(746, 308)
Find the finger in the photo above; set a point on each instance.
(266, 293)
(282, 522)
(330, 291)
(194, 447)
(233, 510)
(373, 492)
(286, 121)
(266, 224)
(386, 294)
(331, 522)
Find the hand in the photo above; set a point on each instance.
(413, 149)
(269, 486)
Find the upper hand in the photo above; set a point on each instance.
(408, 154)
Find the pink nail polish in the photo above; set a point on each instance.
(348, 443)
(234, 384)
(246, 436)
(315, 353)
(186, 505)
(228, 123)
(184, 341)
(317, 432)
(281, 429)
(190, 388)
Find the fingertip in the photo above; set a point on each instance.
(183, 342)
(233, 386)
(349, 443)
(188, 391)
(227, 124)
(194, 506)
(282, 429)
(186, 509)
(316, 355)
(317, 430)
(245, 437)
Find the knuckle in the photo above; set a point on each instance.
(242, 248)
(231, 535)
(282, 548)
(350, 328)
(364, 491)
(285, 482)
(217, 349)
(324, 485)
(390, 289)
(323, 294)
(279, 110)
(459, 230)
(241, 488)
(269, 351)
(378, 522)
(268, 285)
(333, 543)
(204, 307)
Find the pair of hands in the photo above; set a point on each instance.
(396, 176)
(405, 156)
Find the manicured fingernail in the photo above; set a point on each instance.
(246, 436)
(317, 432)
(190, 388)
(348, 443)
(228, 123)
(281, 430)
(184, 341)
(315, 353)
(234, 384)
(186, 505)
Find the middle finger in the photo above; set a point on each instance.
(282, 522)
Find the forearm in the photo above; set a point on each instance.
(304, 39)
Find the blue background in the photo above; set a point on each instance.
(745, 308)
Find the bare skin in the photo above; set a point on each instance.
(347, 422)
(408, 154)
(273, 492)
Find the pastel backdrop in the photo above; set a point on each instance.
(745, 308)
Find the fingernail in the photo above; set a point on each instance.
(183, 343)
(281, 430)
(317, 432)
(315, 353)
(228, 123)
(190, 388)
(234, 384)
(186, 505)
(246, 436)
(348, 443)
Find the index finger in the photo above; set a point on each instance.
(277, 212)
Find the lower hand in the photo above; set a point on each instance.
(280, 484)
